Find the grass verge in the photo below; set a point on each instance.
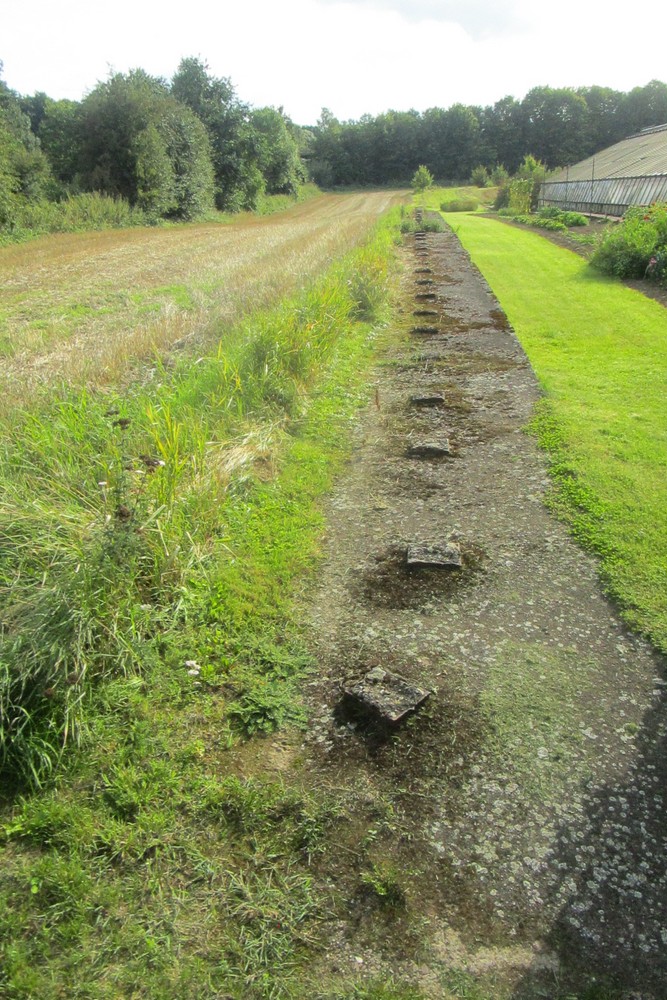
(600, 353)
(148, 587)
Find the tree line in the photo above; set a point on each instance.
(557, 126)
(178, 149)
(174, 149)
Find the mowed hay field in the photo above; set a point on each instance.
(86, 307)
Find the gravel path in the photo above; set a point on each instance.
(528, 790)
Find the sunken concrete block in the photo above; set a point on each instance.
(422, 296)
(429, 449)
(385, 694)
(425, 330)
(446, 556)
(435, 399)
(425, 312)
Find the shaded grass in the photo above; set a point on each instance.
(600, 353)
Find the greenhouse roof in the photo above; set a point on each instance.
(640, 155)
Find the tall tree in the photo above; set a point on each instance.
(276, 151)
(131, 125)
(555, 125)
(227, 121)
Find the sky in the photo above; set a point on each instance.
(358, 57)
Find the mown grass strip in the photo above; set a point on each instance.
(599, 350)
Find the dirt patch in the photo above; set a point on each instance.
(528, 836)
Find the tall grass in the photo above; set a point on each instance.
(76, 214)
(125, 517)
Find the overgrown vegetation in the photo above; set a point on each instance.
(550, 218)
(599, 351)
(150, 150)
(637, 247)
(459, 205)
(148, 618)
(121, 509)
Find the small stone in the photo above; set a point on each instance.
(447, 555)
(436, 399)
(386, 694)
(430, 449)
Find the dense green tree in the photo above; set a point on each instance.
(502, 133)
(227, 122)
(556, 125)
(644, 107)
(276, 151)
(422, 179)
(24, 166)
(155, 173)
(60, 134)
(329, 164)
(605, 121)
(130, 126)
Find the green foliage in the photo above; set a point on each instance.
(250, 152)
(141, 144)
(421, 179)
(569, 219)
(276, 152)
(459, 205)
(156, 181)
(636, 247)
(480, 176)
(76, 214)
(520, 196)
(499, 175)
(553, 225)
(119, 519)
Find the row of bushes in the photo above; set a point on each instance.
(550, 218)
(637, 247)
(76, 214)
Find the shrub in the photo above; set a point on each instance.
(422, 179)
(499, 175)
(78, 213)
(636, 247)
(480, 176)
(568, 219)
(520, 195)
(459, 205)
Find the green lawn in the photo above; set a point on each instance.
(600, 353)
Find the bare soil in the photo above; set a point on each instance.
(519, 816)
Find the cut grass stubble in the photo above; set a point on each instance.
(95, 308)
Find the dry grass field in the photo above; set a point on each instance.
(85, 308)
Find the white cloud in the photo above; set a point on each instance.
(357, 57)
